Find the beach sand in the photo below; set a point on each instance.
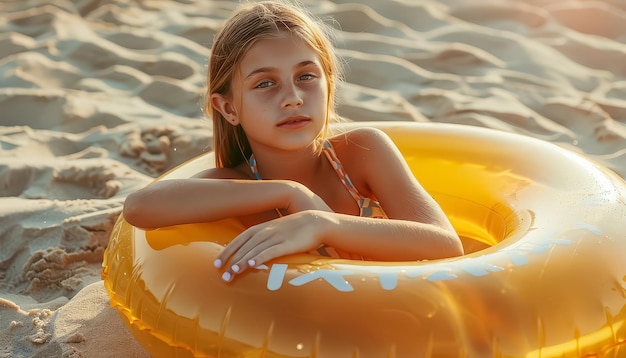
(97, 98)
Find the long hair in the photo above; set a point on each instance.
(251, 23)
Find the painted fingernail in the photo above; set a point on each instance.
(217, 263)
(251, 263)
(235, 268)
(226, 276)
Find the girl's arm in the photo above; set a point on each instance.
(376, 239)
(417, 227)
(183, 201)
(388, 240)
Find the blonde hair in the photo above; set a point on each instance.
(253, 22)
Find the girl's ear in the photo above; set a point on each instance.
(224, 105)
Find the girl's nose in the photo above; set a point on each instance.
(292, 97)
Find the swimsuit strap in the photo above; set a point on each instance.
(368, 207)
(345, 179)
(253, 167)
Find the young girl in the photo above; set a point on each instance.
(272, 78)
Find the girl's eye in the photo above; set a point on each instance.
(307, 77)
(264, 84)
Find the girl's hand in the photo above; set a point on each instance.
(295, 233)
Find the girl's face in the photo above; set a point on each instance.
(280, 94)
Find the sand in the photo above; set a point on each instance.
(97, 98)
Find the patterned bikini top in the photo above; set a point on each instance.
(367, 207)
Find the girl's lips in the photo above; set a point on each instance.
(293, 122)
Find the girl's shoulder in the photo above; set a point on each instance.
(369, 157)
(359, 142)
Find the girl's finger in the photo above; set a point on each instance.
(231, 249)
(260, 242)
(261, 255)
(241, 249)
(250, 240)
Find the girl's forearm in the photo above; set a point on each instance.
(388, 239)
(182, 201)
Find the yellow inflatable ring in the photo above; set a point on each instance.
(544, 274)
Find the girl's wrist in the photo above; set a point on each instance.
(326, 225)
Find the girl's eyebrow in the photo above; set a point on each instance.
(271, 69)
